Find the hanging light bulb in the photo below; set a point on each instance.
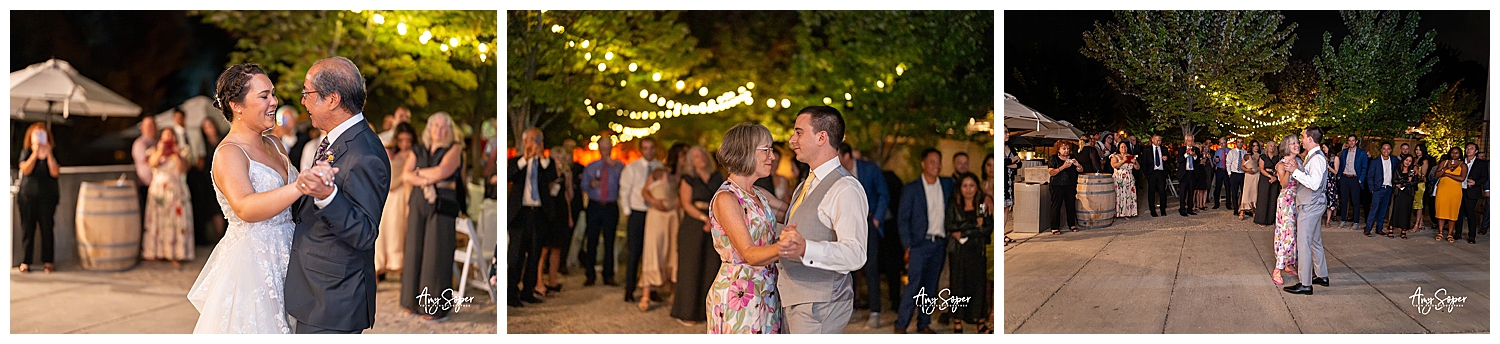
(644, 93)
(601, 67)
(786, 103)
(741, 89)
(401, 29)
(681, 85)
(771, 103)
(443, 47)
(586, 101)
(632, 66)
(622, 83)
(827, 100)
(702, 91)
(426, 36)
(750, 85)
(610, 55)
(880, 84)
(656, 76)
(661, 101)
(453, 41)
(379, 19)
(484, 48)
(652, 98)
(585, 44)
(482, 57)
(848, 96)
(900, 70)
(588, 56)
(557, 28)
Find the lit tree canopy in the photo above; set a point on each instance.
(1295, 105)
(442, 72)
(1193, 67)
(1447, 124)
(1370, 78)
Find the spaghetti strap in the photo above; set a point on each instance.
(242, 149)
(286, 162)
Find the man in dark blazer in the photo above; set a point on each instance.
(330, 280)
(878, 198)
(923, 245)
(529, 176)
(1474, 185)
(1380, 184)
(1155, 162)
(1351, 181)
(1187, 164)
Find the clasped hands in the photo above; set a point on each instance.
(791, 245)
(318, 180)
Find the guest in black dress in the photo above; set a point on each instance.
(1406, 181)
(970, 225)
(1269, 187)
(1064, 168)
(697, 262)
(435, 173)
(37, 200)
(567, 202)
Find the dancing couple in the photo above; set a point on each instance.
(1298, 240)
(299, 244)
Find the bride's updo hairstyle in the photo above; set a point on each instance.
(231, 87)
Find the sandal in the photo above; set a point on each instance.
(1391, 234)
(1403, 235)
(1438, 237)
(47, 268)
(24, 268)
(1056, 232)
(1074, 228)
(1450, 239)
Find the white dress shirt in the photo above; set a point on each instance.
(844, 209)
(1156, 157)
(632, 179)
(1470, 163)
(526, 199)
(1233, 159)
(934, 193)
(1315, 179)
(333, 136)
(1385, 166)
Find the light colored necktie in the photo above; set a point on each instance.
(806, 184)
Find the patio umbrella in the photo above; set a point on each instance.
(1067, 133)
(1020, 116)
(54, 87)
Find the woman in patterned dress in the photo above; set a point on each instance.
(1124, 164)
(169, 225)
(743, 297)
(1285, 239)
(1332, 186)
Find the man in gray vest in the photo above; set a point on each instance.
(825, 234)
(1311, 203)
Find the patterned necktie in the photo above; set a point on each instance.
(322, 149)
(535, 164)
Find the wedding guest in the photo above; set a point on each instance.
(169, 228)
(1476, 176)
(566, 200)
(38, 196)
(1352, 167)
(530, 176)
(1406, 191)
(1269, 188)
(1188, 169)
(781, 187)
(987, 175)
(1104, 142)
(288, 114)
(578, 212)
(696, 264)
(435, 173)
(1156, 175)
(1013, 165)
(140, 153)
(1423, 168)
(1285, 239)
(878, 198)
(209, 217)
(1205, 175)
(401, 115)
(743, 298)
(970, 225)
(633, 203)
(390, 246)
(922, 216)
(658, 259)
(1453, 171)
(1088, 158)
(961, 164)
(1233, 162)
(892, 255)
(1332, 185)
(1123, 163)
(1380, 180)
(601, 182)
(1220, 176)
(1064, 169)
(1249, 164)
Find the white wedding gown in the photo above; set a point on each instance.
(240, 289)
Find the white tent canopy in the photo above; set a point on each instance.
(54, 87)
(1020, 116)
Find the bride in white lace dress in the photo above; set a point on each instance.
(240, 287)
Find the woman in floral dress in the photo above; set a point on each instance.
(1332, 186)
(743, 297)
(1285, 240)
(169, 226)
(1124, 164)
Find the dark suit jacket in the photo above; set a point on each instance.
(912, 218)
(1182, 161)
(330, 280)
(876, 194)
(1375, 174)
(1480, 174)
(517, 178)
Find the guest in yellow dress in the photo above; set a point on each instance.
(1449, 193)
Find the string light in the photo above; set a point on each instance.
(601, 67)
(827, 101)
(644, 93)
(557, 28)
(443, 47)
(771, 103)
(703, 91)
(786, 103)
(750, 85)
(483, 48)
(656, 76)
(632, 66)
(401, 28)
(426, 36)
(585, 44)
(848, 96)
(681, 85)
(379, 19)
(588, 56)
(609, 55)
(622, 82)
(880, 84)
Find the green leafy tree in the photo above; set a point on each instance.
(1193, 68)
(553, 73)
(1295, 105)
(399, 68)
(911, 77)
(1370, 78)
(1447, 123)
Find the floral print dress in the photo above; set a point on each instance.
(1286, 225)
(743, 297)
(1125, 205)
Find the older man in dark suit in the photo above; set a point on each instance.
(1474, 185)
(529, 176)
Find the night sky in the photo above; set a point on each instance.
(1044, 45)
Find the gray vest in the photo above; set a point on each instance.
(1305, 194)
(799, 283)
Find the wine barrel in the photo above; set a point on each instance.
(109, 225)
(1096, 200)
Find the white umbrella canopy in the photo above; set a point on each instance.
(1065, 131)
(54, 87)
(1020, 116)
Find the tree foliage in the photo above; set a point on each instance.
(1447, 122)
(1370, 78)
(1193, 68)
(399, 69)
(1295, 104)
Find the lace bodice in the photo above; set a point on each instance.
(263, 178)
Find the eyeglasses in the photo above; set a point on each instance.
(304, 93)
